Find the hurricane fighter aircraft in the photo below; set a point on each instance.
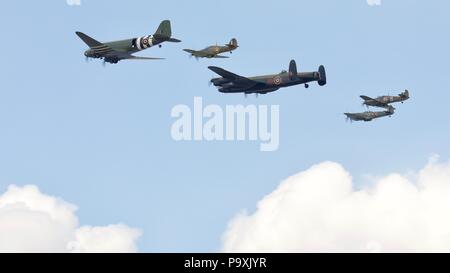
(232, 83)
(369, 115)
(214, 51)
(113, 52)
(385, 101)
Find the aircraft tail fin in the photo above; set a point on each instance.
(293, 70)
(322, 76)
(164, 32)
(164, 29)
(405, 94)
(233, 43)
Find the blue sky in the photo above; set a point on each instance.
(99, 137)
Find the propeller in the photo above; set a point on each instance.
(210, 81)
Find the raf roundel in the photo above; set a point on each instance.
(277, 80)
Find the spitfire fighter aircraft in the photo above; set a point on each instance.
(385, 101)
(369, 115)
(214, 51)
(113, 52)
(232, 83)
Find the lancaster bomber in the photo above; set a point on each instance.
(385, 101)
(232, 83)
(113, 52)
(369, 115)
(214, 51)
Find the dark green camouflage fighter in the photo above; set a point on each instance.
(385, 101)
(232, 83)
(214, 51)
(370, 115)
(113, 52)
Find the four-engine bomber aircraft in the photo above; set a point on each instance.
(214, 51)
(113, 52)
(369, 115)
(384, 101)
(232, 83)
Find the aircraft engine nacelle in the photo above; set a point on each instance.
(228, 85)
(218, 82)
(142, 43)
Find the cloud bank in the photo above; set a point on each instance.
(31, 221)
(319, 210)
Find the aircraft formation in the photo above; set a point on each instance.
(228, 82)
(380, 102)
(115, 51)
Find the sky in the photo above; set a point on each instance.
(99, 137)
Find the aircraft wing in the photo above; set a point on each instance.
(196, 53)
(239, 81)
(144, 58)
(95, 45)
(126, 56)
(221, 57)
(374, 101)
(366, 98)
(190, 51)
(227, 74)
(91, 42)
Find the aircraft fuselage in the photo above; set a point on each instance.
(269, 83)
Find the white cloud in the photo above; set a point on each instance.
(101, 239)
(374, 2)
(31, 221)
(73, 2)
(318, 210)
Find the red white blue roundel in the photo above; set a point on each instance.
(277, 80)
(144, 42)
